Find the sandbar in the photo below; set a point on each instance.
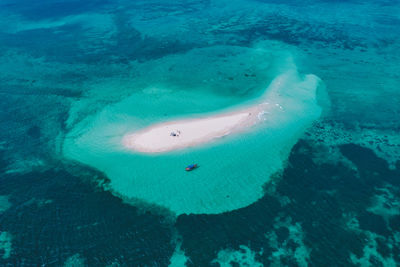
(184, 133)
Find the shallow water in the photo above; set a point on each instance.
(233, 170)
(74, 77)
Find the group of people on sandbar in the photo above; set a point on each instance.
(175, 133)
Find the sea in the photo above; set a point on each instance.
(317, 184)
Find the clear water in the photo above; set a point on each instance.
(74, 77)
(232, 171)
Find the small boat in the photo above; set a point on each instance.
(191, 167)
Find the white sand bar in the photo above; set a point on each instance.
(180, 134)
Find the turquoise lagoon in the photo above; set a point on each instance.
(232, 170)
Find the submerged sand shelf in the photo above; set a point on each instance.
(233, 166)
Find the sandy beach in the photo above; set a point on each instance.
(179, 134)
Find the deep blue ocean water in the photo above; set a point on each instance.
(336, 203)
